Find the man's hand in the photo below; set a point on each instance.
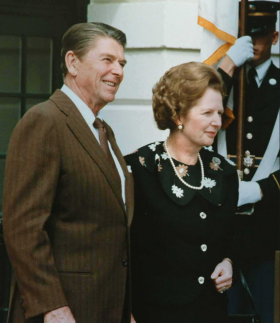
(249, 192)
(60, 315)
(222, 276)
(132, 320)
(242, 51)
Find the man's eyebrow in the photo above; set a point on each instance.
(124, 61)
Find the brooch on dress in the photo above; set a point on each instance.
(182, 170)
(215, 164)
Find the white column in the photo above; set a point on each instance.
(160, 34)
(275, 48)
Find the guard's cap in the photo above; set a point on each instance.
(262, 16)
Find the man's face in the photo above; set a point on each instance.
(100, 72)
(262, 47)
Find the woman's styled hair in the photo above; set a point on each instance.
(180, 88)
(80, 38)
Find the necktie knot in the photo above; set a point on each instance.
(98, 123)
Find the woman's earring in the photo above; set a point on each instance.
(180, 127)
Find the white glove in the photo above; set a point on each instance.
(242, 51)
(249, 192)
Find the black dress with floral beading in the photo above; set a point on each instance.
(179, 235)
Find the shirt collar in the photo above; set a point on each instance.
(80, 104)
(261, 69)
(155, 159)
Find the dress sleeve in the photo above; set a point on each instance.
(31, 177)
(231, 245)
(228, 82)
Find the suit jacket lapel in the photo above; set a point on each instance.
(129, 185)
(80, 129)
(270, 86)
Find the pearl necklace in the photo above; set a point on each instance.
(177, 174)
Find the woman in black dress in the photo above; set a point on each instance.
(185, 200)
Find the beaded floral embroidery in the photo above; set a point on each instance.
(209, 183)
(210, 148)
(159, 165)
(177, 191)
(215, 164)
(153, 146)
(142, 160)
(164, 156)
(182, 170)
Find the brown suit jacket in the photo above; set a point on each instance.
(66, 227)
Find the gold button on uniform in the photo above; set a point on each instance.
(252, 7)
(250, 119)
(249, 136)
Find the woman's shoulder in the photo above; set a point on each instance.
(146, 156)
(216, 161)
(220, 176)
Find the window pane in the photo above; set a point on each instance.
(10, 66)
(9, 117)
(2, 171)
(39, 65)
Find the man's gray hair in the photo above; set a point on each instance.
(80, 38)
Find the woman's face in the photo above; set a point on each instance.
(204, 120)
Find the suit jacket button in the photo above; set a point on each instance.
(124, 262)
(202, 215)
(203, 247)
(201, 280)
(250, 119)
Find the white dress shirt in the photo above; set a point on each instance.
(89, 119)
(261, 71)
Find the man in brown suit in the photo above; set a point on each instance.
(67, 197)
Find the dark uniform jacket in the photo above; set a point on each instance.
(65, 223)
(260, 237)
(178, 234)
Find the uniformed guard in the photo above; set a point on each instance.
(259, 189)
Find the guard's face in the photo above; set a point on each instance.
(204, 120)
(100, 71)
(262, 47)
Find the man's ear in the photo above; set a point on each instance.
(275, 37)
(71, 62)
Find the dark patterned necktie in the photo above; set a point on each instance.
(99, 125)
(251, 77)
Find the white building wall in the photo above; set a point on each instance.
(160, 34)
